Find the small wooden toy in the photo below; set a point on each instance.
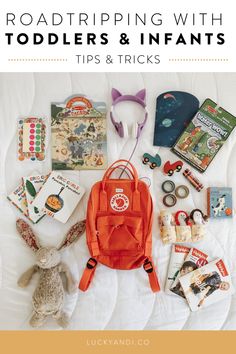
(170, 168)
(193, 180)
(153, 161)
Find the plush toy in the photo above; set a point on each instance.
(167, 230)
(198, 227)
(49, 295)
(198, 217)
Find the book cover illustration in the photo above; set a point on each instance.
(205, 135)
(78, 134)
(219, 202)
(195, 259)
(18, 199)
(174, 111)
(178, 255)
(207, 285)
(58, 197)
(32, 185)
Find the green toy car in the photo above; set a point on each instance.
(153, 161)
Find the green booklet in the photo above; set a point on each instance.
(205, 135)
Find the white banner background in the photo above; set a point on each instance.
(61, 57)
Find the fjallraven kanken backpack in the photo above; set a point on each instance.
(119, 225)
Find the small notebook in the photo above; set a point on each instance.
(58, 197)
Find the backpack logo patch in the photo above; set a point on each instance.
(119, 202)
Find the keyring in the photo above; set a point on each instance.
(182, 192)
(169, 200)
(168, 186)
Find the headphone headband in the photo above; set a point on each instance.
(138, 98)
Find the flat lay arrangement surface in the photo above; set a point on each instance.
(179, 274)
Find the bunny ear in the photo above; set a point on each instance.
(115, 94)
(27, 234)
(141, 94)
(73, 234)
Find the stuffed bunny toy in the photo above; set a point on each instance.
(49, 294)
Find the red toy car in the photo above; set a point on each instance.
(170, 168)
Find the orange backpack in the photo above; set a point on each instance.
(119, 225)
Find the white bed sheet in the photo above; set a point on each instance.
(115, 299)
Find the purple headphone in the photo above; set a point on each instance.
(120, 127)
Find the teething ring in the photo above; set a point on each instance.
(182, 192)
(169, 200)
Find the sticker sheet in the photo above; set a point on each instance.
(78, 134)
(31, 139)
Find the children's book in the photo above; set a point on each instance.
(205, 135)
(58, 197)
(78, 134)
(207, 285)
(195, 259)
(174, 111)
(32, 185)
(219, 202)
(18, 199)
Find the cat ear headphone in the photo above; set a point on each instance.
(122, 128)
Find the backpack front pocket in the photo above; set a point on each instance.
(117, 233)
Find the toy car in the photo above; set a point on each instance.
(153, 161)
(170, 168)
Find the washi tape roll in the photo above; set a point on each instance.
(169, 200)
(168, 186)
(182, 191)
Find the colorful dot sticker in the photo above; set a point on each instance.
(31, 139)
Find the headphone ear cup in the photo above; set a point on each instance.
(125, 130)
(135, 130)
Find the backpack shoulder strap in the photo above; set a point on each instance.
(152, 275)
(88, 274)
